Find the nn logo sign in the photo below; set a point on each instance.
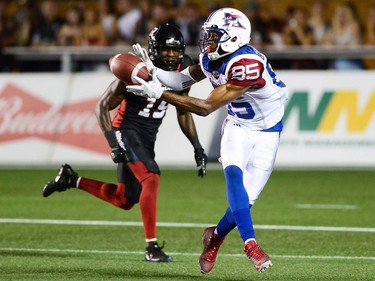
(330, 108)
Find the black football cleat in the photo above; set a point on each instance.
(66, 179)
(154, 253)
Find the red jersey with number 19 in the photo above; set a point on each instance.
(144, 115)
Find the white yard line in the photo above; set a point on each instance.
(183, 225)
(173, 254)
(326, 206)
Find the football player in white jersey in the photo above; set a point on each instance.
(246, 84)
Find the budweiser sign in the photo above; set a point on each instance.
(22, 115)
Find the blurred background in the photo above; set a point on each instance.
(308, 34)
(54, 66)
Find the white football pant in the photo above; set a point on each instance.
(254, 152)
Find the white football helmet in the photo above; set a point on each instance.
(225, 31)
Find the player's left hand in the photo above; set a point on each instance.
(152, 89)
(201, 160)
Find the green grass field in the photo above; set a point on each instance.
(315, 225)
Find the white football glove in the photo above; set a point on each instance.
(143, 55)
(153, 89)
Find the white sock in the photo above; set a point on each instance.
(77, 183)
(151, 240)
(248, 240)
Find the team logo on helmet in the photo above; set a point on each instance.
(232, 20)
(172, 41)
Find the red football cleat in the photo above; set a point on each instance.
(211, 245)
(259, 258)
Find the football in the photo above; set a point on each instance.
(126, 66)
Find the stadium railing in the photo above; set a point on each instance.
(68, 55)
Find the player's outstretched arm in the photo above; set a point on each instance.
(180, 80)
(219, 96)
(174, 80)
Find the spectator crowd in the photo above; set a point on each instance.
(124, 22)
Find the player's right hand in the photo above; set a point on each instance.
(151, 89)
(143, 55)
(118, 149)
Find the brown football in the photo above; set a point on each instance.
(126, 66)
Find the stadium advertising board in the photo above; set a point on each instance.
(49, 119)
(329, 119)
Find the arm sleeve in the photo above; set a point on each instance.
(175, 80)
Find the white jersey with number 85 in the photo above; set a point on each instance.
(262, 105)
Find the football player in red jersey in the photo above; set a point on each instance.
(246, 84)
(131, 135)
